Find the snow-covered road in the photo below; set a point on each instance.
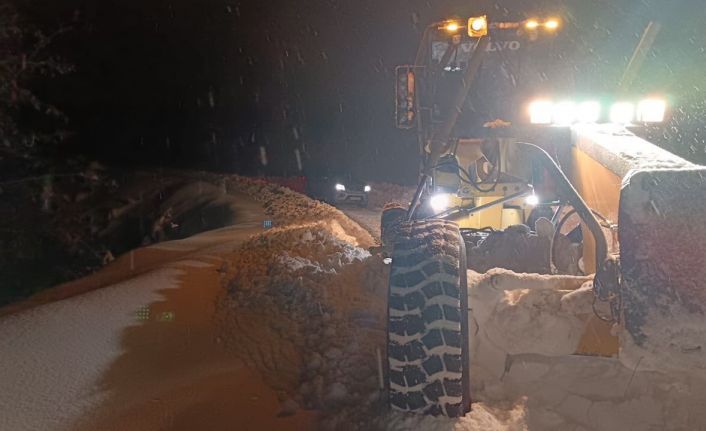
(368, 218)
(53, 357)
(132, 354)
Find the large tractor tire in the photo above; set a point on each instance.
(393, 215)
(427, 349)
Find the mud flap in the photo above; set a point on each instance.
(662, 232)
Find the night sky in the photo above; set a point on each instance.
(206, 83)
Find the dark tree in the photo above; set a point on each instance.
(25, 60)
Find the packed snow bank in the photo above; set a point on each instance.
(286, 206)
(499, 417)
(383, 193)
(524, 329)
(504, 305)
(676, 342)
(308, 311)
(303, 283)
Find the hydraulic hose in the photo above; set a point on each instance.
(568, 193)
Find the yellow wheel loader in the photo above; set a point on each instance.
(555, 186)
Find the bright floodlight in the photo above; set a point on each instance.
(551, 24)
(452, 27)
(340, 187)
(367, 189)
(478, 26)
(564, 113)
(651, 111)
(439, 202)
(589, 112)
(531, 24)
(622, 113)
(541, 112)
(532, 200)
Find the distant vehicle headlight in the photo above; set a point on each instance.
(541, 112)
(622, 113)
(340, 187)
(651, 111)
(367, 189)
(440, 202)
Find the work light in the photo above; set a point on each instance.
(478, 26)
(564, 113)
(440, 202)
(452, 27)
(589, 112)
(622, 113)
(531, 24)
(651, 111)
(541, 112)
(551, 24)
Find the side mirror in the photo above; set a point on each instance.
(405, 100)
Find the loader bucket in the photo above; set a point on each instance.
(662, 233)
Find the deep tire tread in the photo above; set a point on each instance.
(425, 341)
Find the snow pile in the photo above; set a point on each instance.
(382, 193)
(676, 342)
(504, 304)
(319, 303)
(524, 329)
(286, 206)
(308, 311)
(503, 417)
(288, 253)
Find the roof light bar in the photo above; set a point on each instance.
(568, 112)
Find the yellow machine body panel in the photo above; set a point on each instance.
(600, 188)
(496, 217)
(499, 217)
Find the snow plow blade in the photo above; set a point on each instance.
(659, 202)
(662, 234)
(652, 207)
